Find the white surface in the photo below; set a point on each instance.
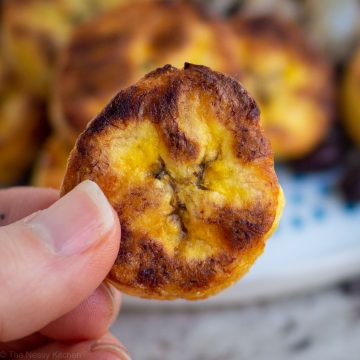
(317, 243)
(320, 326)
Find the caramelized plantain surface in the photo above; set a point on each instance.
(182, 158)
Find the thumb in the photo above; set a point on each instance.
(54, 259)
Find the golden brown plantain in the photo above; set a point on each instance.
(120, 47)
(36, 30)
(290, 81)
(21, 133)
(22, 128)
(182, 158)
(350, 96)
(51, 164)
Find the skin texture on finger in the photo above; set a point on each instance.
(31, 269)
(105, 348)
(17, 203)
(89, 320)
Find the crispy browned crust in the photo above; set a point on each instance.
(120, 47)
(144, 267)
(259, 36)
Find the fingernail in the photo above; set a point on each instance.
(110, 292)
(118, 350)
(76, 222)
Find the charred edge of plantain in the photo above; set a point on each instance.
(161, 108)
(149, 270)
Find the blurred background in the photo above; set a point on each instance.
(61, 61)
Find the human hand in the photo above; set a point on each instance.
(52, 264)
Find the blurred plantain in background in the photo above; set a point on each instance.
(293, 85)
(73, 56)
(32, 34)
(22, 128)
(118, 48)
(50, 167)
(35, 32)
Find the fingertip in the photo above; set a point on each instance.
(19, 202)
(116, 233)
(70, 248)
(105, 348)
(90, 320)
(86, 219)
(114, 297)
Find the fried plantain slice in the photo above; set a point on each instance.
(120, 47)
(350, 95)
(182, 158)
(22, 128)
(35, 31)
(51, 164)
(291, 82)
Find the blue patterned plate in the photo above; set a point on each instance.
(317, 244)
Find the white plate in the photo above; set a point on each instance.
(317, 243)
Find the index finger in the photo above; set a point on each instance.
(19, 202)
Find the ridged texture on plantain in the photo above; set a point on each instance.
(22, 128)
